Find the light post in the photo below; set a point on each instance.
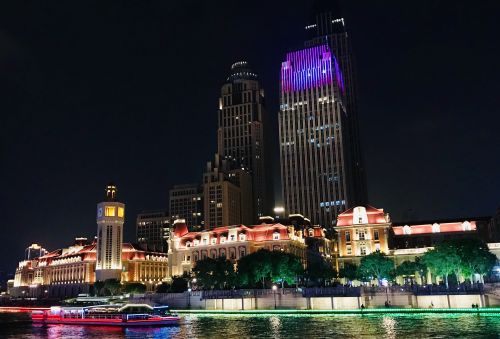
(189, 297)
(274, 293)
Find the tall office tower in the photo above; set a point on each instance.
(110, 218)
(227, 195)
(186, 202)
(241, 130)
(153, 230)
(321, 165)
(327, 25)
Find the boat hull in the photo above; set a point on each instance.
(165, 321)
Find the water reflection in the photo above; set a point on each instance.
(389, 324)
(278, 326)
(275, 323)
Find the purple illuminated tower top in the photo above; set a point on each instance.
(309, 68)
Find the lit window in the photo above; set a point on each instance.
(121, 212)
(361, 234)
(363, 250)
(406, 230)
(109, 211)
(242, 237)
(377, 247)
(276, 236)
(349, 250)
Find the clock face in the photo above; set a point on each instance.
(99, 212)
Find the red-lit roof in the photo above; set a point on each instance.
(375, 216)
(262, 232)
(449, 227)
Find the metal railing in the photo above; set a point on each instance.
(337, 291)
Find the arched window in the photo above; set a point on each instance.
(466, 226)
(276, 235)
(406, 230)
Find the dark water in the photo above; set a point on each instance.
(272, 326)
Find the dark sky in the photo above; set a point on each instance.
(128, 92)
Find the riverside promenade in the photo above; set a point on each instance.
(340, 298)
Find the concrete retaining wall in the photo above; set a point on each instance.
(296, 301)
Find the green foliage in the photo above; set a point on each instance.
(214, 273)
(254, 268)
(349, 271)
(319, 270)
(113, 286)
(475, 257)
(443, 260)
(407, 268)
(375, 265)
(98, 288)
(179, 284)
(134, 288)
(274, 266)
(163, 288)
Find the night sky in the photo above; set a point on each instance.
(128, 92)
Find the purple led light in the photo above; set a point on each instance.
(308, 68)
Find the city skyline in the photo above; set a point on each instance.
(57, 160)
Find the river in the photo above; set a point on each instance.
(275, 326)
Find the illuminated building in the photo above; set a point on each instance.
(321, 164)
(153, 230)
(328, 26)
(186, 202)
(364, 230)
(241, 130)
(72, 270)
(34, 251)
(227, 194)
(110, 218)
(231, 242)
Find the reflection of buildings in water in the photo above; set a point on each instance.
(389, 324)
(275, 324)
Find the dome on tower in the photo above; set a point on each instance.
(241, 71)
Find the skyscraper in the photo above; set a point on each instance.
(241, 130)
(153, 230)
(186, 202)
(328, 25)
(110, 218)
(321, 165)
(227, 194)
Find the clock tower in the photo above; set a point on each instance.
(110, 218)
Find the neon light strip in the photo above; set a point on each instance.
(309, 68)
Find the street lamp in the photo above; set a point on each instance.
(189, 297)
(274, 293)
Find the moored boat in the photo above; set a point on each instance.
(107, 315)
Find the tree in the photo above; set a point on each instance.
(263, 265)
(134, 288)
(319, 270)
(98, 288)
(113, 286)
(349, 272)
(179, 284)
(475, 257)
(443, 260)
(285, 267)
(376, 265)
(253, 268)
(214, 273)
